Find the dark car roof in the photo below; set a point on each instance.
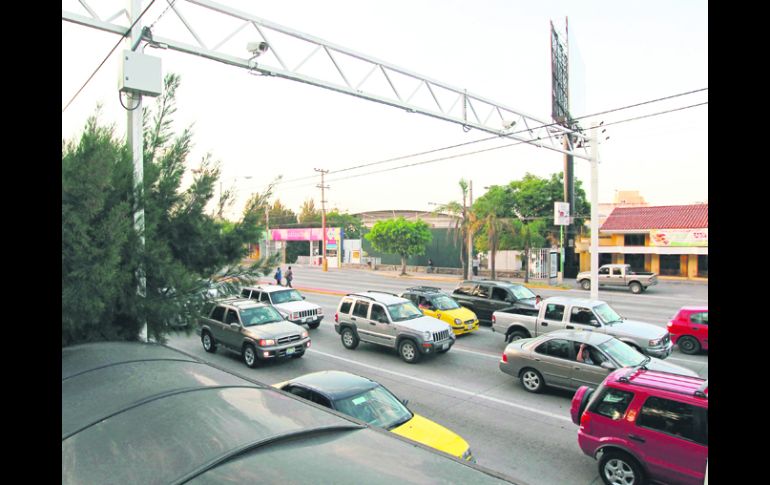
(335, 384)
(491, 282)
(146, 413)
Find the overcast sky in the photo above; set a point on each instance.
(262, 127)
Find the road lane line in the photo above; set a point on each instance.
(442, 386)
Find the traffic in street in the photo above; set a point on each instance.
(530, 437)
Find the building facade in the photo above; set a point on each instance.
(667, 240)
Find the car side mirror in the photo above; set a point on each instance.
(608, 365)
(234, 325)
(594, 322)
(303, 297)
(405, 401)
(383, 319)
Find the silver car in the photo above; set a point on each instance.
(552, 360)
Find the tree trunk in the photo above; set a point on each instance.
(526, 258)
(403, 265)
(492, 258)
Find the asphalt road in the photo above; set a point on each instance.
(529, 437)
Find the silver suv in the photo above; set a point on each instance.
(254, 330)
(288, 301)
(386, 319)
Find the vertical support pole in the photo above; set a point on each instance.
(594, 213)
(135, 140)
(470, 233)
(323, 217)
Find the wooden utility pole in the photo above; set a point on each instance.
(323, 216)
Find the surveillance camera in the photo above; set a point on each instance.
(257, 48)
(508, 124)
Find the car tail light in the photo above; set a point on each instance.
(585, 420)
(493, 319)
(336, 317)
(505, 358)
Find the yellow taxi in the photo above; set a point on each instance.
(369, 401)
(433, 302)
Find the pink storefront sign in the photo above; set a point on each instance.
(306, 234)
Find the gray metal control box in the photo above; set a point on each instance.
(140, 74)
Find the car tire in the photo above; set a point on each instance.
(409, 351)
(636, 288)
(313, 325)
(585, 284)
(209, 344)
(249, 355)
(688, 345)
(349, 338)
(617, 467)
(515, 335)
(532, 380)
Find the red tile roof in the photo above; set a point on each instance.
(662, 217)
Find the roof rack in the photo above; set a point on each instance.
(383, 292)
(700, 392)
(433, 289)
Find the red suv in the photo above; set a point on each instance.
(690, 329)
(645, 425)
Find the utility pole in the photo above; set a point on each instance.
(470, 234)
(323, 215)
(135, 139)
(267, 230)
(594, 213)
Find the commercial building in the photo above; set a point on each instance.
(668, 240)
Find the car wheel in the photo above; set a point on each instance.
(408, 351)
(636, 288)
(249, 355)
(349, 338)
(515, 335)
(688, 345)
(313, 325)
(585, 284)
(618, 468)
(209, 345)
(532, 380)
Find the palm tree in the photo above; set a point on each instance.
(464, 220)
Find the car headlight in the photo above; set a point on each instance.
(266, 342)
(655, 342)
(427, 335)
(304, 334)
(467, 455)
(458, 321)
(320, 311)
(294, 316)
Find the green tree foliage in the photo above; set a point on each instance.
(352, 226)
(399, 236)
(185, 248)
(465, 221)
(491, 217)
(280, 215)
(308, 214)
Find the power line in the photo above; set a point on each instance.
(498, 147)
(107, 57)
(427, 152)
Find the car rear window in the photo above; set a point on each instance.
(675, 418)
(345, 306)
(612, 403)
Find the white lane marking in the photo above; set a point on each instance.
(442, 386)
(483, 354)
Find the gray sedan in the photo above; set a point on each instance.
(555, 359)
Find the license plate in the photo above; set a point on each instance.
(290, 351)
(469, 326)
(444, 346)
(307, 319)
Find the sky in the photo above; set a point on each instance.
(259, 127)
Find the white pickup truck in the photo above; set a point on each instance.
(619, 275)
(561, 313)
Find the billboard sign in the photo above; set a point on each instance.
(679, 237)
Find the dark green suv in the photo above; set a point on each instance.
(484, 297)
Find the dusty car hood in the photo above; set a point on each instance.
(659, 365)
(432, 434)
(425, 323)
(633, 328)
(296, 306)
(275, 330)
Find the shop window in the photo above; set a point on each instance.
(636, 261)
(633, 239)
(605, 258)
(703, 265)
(670, 265)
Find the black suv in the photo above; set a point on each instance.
(484, 297)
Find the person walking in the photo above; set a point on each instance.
(476, 263)
(430, 265)
(289, 277)
(278, 276)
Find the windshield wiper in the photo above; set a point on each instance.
(399, 422)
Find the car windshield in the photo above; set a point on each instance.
(403, 311)
(444, 302)
(377, 407)
(285, 296)
(521, 292)
(623, 354)
(607, 314)
(259, 316)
